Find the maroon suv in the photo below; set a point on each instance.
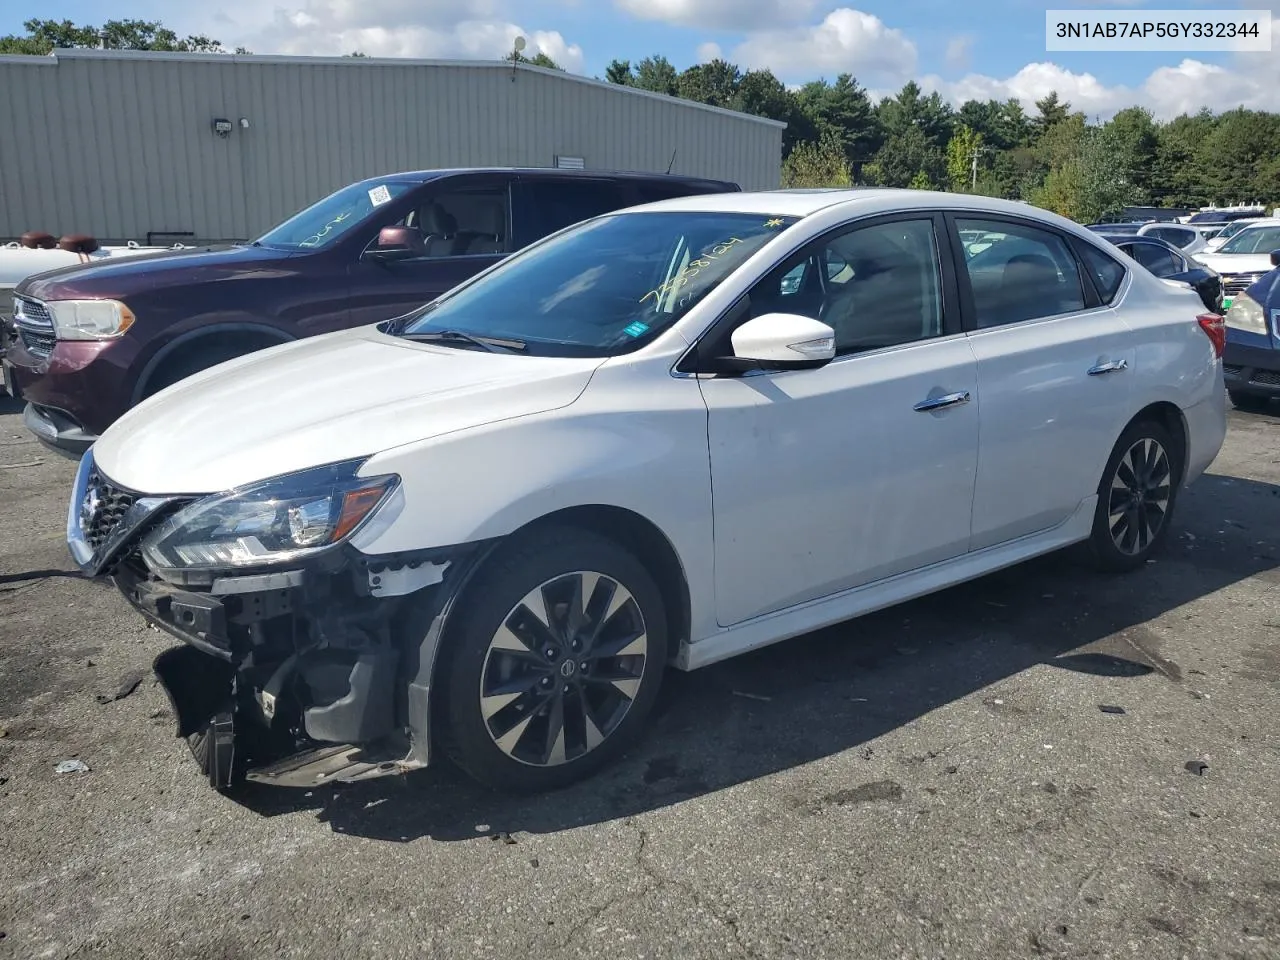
(94, 340)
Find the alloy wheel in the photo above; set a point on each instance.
(563, 669)
(1139, 499)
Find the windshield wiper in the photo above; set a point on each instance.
(491, 344)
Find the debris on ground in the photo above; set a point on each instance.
(128, 683)
(1110, 708)
(71, 766)
(751, 696)
(1198, 767)
(533, 862)
(19, 466)
(504, 837)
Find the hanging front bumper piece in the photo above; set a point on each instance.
(296, 677)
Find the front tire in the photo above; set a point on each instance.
(1136, 497)
(554, 662)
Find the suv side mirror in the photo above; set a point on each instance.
(784, 341)
(1275, 258)
(397, 243)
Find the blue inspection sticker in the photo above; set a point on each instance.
(635, 329)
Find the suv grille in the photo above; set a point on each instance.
(1234, 283)
(35, 327)
(103, 508)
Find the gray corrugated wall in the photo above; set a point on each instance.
(117, 145)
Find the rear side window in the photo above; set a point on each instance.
(1159, 261)
(550, 205)
(1107, 273)
(1026, 274)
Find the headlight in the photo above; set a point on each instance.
(89, 319)
(267, 523)
(1246, 314)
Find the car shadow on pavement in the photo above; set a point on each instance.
(838, 689)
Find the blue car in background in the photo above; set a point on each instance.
(1251, 360)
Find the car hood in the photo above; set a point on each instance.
(1235, 262)
(123, 276)
(322, 400)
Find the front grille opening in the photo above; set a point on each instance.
(113, 504)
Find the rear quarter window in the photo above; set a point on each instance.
(1106, 271)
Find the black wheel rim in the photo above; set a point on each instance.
(1139, 497)
(563, 669)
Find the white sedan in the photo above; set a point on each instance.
(664, 436)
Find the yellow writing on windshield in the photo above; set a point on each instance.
(695, 267)
(328, 227)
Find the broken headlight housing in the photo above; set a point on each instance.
(268, 523)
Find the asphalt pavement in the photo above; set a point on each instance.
(1044, 763)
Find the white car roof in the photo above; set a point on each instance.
(869, 200)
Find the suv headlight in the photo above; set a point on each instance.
(89, 319)
(1246, 314)
(268, 523)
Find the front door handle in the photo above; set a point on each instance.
(1109, 367)
(938, 403)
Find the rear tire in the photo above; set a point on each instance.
(1136, 497)
(553, 663)
(1247, 401)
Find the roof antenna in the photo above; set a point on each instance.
(673, 160)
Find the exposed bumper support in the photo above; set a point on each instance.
(57, 431)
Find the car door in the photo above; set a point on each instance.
(465, 226)
(1055, 368)
(826, 479)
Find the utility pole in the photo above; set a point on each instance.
(974, 185)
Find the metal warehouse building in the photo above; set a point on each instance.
(142, 146)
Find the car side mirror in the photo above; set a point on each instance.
(1275, 258)
(397, 243)
(783, 341)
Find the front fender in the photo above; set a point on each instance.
(488, 482)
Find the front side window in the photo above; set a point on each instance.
(603, 287)
(875, 286)
(1029, 274)
(325, 223)
(462, 223)
(1253, 240)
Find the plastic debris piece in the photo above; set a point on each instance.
(1110, 708)
(533, 861)
(71, 766)
(128, 683)
(752, 696)
(1198, 767)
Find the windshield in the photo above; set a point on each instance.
(603, 287)
(1253, 240)
(1231, 229)
(326, 222)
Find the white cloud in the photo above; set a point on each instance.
(469, 29)
(846, 41)
(736, 15)
(958, 52)
(1251, 80)
(709, 51)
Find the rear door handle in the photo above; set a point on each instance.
(1109, 367)
(938, 403)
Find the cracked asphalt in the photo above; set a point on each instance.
(940, 780)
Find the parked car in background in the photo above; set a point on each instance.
(1118, 227)
(488, 527)
(1187, 239)
(96, 339)
(1226, 232)
(1244, 259)
(1251, 360)
(1168, 262)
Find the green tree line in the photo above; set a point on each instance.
(1053, 157)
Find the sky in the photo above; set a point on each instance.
(961, 48)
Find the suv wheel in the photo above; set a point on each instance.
(1135, 498)
(554, 663)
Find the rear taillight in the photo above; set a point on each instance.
(1215, 328)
